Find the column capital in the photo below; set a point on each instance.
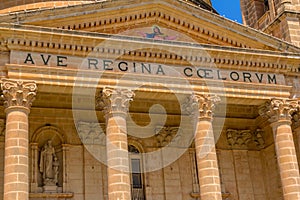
(113, 100)
(18, 93)
(202, 105)
(279, 109)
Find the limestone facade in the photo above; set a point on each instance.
(279, 18)
(146, 100)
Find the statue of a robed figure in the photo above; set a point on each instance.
(49, 165)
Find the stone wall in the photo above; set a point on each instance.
(250, 174)
(280, 19)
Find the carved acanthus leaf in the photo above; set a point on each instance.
(114, 100)
(279, 109)
(18, 92)
(203, 104)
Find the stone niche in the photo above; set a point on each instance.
(48, 157)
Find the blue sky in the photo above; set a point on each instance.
(228, 8)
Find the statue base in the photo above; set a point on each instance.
(63, 196)
(50, 189)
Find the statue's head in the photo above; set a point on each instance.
(49, 143)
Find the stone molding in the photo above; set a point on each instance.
(279, 109)
(201, 105)
(157, 15)
(18, 93)
(29, 43)
(52, 195)
(166, 57)
(245, 139)
(114, 100)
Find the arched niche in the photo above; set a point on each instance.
(40, 143)
(47, 132)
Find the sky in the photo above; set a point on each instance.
(228, 8)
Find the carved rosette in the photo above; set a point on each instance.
(279, 109)
(18, 93)
(201, 105)
(114, 100)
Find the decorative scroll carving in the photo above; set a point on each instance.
(91, 133)
(244, 139)
(279, 109)
(18, 92)
(114, 100)
(201, 105)
(168, 135)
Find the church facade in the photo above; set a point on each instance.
(149, 100)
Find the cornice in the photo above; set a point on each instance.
(210, 28)
(80, 43)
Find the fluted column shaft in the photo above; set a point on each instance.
(116, 104)
(18, 96)
(207, 164)
(279, 112)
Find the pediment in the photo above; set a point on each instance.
(174, 20)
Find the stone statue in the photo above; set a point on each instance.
(49, 164)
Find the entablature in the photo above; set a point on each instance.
(115, 17)
(83, 44)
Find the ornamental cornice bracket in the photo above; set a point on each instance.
(112, 100)
(18, 93)
(279, 109)
(201, 105)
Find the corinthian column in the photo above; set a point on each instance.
(207, 164)
(115, 103)
(279, 113)
(18, 96)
